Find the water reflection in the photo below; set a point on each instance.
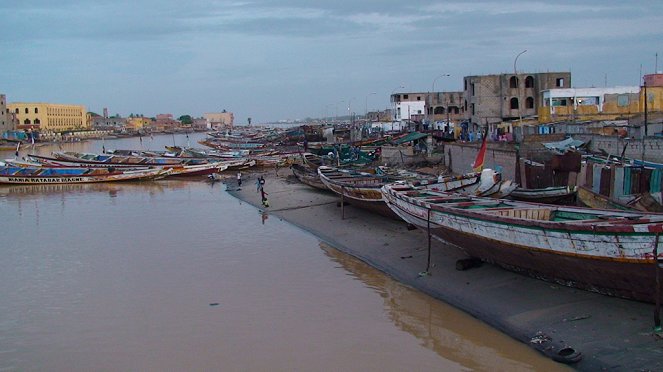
(113, 189)
(449, 332)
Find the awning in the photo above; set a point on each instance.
(410, 137)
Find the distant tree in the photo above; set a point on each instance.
(131, 115)
(249, 121)
(186, 119)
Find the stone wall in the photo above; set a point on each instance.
(614, 146)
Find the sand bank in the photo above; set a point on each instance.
(610, 333)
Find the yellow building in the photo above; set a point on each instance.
(50, 117)
(222, 119)
(589, 104)
(137, 123)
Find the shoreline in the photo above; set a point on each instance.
(611, 333)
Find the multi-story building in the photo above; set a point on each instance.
(588, 103)
(446, 106)
(165, 123)
(409, 106)
(6, 118)
(222, 119)
(104, 123)
(137, 123)
(492, 99)
(50, 117)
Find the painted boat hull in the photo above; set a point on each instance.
(308, 177)
(127, 176)
(597, 255)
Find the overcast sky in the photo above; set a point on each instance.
(291, 59)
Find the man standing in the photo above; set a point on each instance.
(239, 179)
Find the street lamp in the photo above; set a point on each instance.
(433, 91)
(336, 118)
(366, 105)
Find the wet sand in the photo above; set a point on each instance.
(610, 333)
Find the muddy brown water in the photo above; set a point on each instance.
(179, 275)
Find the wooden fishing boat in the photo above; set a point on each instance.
(124, 159)
(591, 199)
(196, 169)
(42, 175)
(488, 183)
(565, 195)
(607, 251)
(358, 188)
(308, 176)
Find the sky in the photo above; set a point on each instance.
(293, 59)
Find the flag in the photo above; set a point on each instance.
(477, 166)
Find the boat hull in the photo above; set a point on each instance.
(616, 261)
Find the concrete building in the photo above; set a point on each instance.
(105, 123)
(7, 118)
(217, 120)
(409, 106)
(491, 99)
(588, 103)
(50, 117)
(137, 123)
(446, 106)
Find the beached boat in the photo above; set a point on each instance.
(87, 158)
(358, 188)
(591, 199)
(196, 169)
(41, 175)
(606, 251)
(549, 195)
(488, 183)
(308, 176)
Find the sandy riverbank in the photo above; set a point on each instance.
(610, 333)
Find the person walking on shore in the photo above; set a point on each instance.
(263, 195)
(239, 179)
(260, 182)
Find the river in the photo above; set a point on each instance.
(179, 275)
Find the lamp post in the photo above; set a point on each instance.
(515, 72)
(433, 92)
(366, 105)
(336, 117)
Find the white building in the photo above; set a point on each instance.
(410, 110)
(582, 96)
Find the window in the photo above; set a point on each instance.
(465, 83)
(418, 98)
(622, 100)
(405, 96)
(513, 82)
(559, 82)
(27, 121)
(26, 110)
(529, 102)
(472, 107)
(529, 82)
(514, 103)
(37, 121)
(36, 110)
(16, 110)
(472, 89)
